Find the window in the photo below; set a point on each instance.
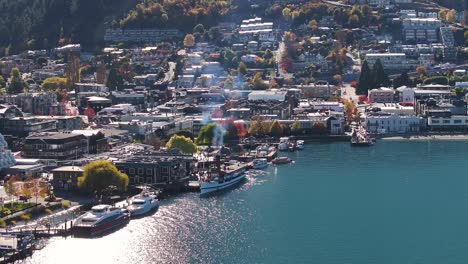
(140, 171)
(446, 121)
(132, 171)
(149, 171)
(435, 122)
(457, 121)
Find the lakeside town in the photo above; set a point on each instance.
(158, 111)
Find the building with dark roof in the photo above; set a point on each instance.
(56, 146)
(24, 126)
(158, 168)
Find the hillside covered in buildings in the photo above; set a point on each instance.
(42, 24)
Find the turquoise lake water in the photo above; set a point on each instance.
(395, 202)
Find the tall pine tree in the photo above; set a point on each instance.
(380, 77)
(365, 79)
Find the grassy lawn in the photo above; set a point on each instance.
(14, 207)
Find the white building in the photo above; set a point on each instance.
(390, 61)
(327, 106)
(406, 94)
(392, 123)
(270, 95)
(450, 123)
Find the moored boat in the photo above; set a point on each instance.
(300, 144)
(216, 180)
(283, 144)
(143, 204)
(281, 160)
(100, 219)
(260, 164)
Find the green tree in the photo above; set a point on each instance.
(258, 83)
(214, 33)
(54, 84)
(380, 77)
(365, 79)
(296, 128)
(276, 129)
(25, 217)
(242, 69)
(206, 134)
(258, 127)
(184, 144)
(199, 29)
(17, 84)
(99, 175)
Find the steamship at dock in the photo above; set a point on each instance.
(221, 176)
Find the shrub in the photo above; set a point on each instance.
(2, 223)
(66, 204)
(6, 211)
(12, 222)
(48, 211)
(25, 217)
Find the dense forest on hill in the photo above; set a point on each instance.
(36, 24)
(182, 14)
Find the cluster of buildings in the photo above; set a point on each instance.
(170, 88)
(409, 110)
(420, 38)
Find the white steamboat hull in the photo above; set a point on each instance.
(210, 187)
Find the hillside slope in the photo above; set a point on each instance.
(36, 24)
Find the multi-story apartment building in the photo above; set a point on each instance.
(390, 61)
(392, 123)
(33, 103)
(424, 30)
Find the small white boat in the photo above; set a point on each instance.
(283, 144)
(259, 164)
(143, 204)
(281, 160)
(300, 144)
